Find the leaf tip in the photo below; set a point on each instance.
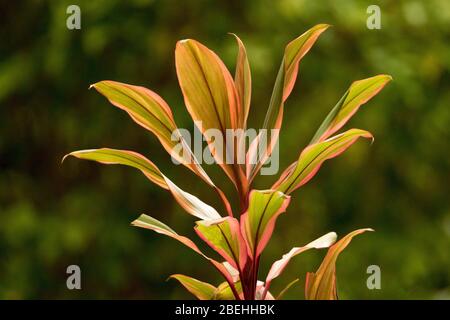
(172, 276)
(95, 85)
(64, 158)
(324, 25)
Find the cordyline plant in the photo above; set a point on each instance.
(213, 97)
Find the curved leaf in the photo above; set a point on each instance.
(190, 203)
(258, 222)
(123, 157)
(279, 265)
(359, 93)
(200, 289)
(150, 111)
(224, 236)
(313, 156)
(224, 292)
(322, 284)
(284, 83)
(147, 222)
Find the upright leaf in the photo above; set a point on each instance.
(313, 156)
(224, 291)
(284, 83)
(279, 265)
(322, 284)
(243, 82)
(359, 93)
(224, 236)
(211, 99)
(190, 203)
(200, 289)
(258, 222)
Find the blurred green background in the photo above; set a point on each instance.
(55, 215)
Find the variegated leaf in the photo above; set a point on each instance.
(284, 84)
(258, 222)
(313, 156)
(359, 93)
(321, 285)
(190, 203)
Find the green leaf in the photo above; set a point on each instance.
(224, 236)
(190, 203)
(359, 93)
(322, 284)
(288, 286)
(279, 265)
(224, 292)
(313, 156)
(200, 289)
(284, 83)
(259, 220)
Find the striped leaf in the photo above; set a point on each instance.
(322, 284)
(359, 93)
(190, 203)
(147, 222)
(150, 111)
(313, 156)
(201, 290)
(224, 236)
(284, 84)
(259, 220)
(211, 99)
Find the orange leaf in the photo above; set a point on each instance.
(321, 285)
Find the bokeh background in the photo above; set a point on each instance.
(53, 215)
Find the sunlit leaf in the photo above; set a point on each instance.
(279, 265)
(224, 292)
(259, 220)
(190, 203)
(224, 236)
(211, 99)
(200, 289)
(147, 222)
(321, 285)
(123, 157)
(284, 83)
(150, 111)
(359, 93)
(313, 156)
